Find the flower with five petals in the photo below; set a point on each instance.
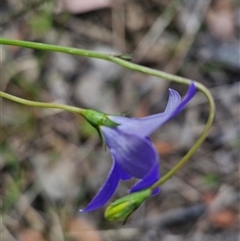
(133, 153)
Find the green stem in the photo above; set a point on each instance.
(41, 104)
(117, 59)
(197, 144)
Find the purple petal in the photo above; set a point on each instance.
(191, 92)
(156, 191)
(173, 101)
(125, 176)
(145, 126)
(107, 189)
(148, 180)
(135, 155)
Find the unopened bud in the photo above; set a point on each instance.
(122, 208)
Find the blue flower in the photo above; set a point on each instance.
(133, 153)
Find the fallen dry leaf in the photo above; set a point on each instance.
(220, 20)
(141, 111)
(79, 6)
(81, 229)
(164, 148)
(222, 219)
(30, 235)
(208, 197)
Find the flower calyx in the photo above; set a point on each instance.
(97, 119)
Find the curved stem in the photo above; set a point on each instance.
(197, 144)
(115, 58)
(41, 104)
(120, 61)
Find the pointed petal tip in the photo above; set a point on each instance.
(106, 191)
(191, 88)
(93, 205)
(155, 191)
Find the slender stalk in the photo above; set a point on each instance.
(40, 104)
(120, 61)
(115, 58)
(197, 144)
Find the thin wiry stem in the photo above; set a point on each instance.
(40, 104)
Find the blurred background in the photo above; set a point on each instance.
(53, 163)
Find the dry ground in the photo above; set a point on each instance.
(53, 162)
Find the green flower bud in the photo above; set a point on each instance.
(122, 208)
